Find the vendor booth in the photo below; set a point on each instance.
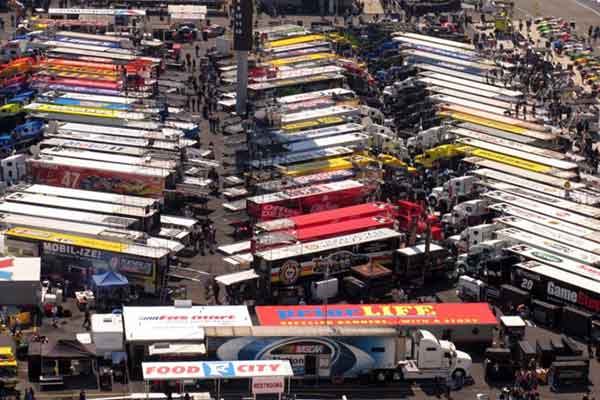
(62, 363)
(174, 333)
(20, 281)
(111, 289)
(267, 376)
(20, 291)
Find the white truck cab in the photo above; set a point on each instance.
(484, 251)
(433, 358)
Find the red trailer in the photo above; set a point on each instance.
(306, 200)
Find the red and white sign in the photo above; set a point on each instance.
(267, 385)
(174, 323)
(216, 369)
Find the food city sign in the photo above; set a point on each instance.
(378, 314)
(216, 369)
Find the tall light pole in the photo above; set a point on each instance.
(242, 44)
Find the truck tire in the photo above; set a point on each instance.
(458, 376)
(380, 376)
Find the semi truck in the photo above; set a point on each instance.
(460, 189)
(340, 353)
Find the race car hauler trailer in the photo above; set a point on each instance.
(337, 353)
(554, 285)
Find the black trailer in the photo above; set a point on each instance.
(556, 286)
(568, 373)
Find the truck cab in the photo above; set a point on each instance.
(478, 254)
(474, 235)
(467, 213)
(8, 368)
(432, 358)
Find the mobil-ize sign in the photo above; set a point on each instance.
(99, 259)
(268, 384)
(378, 314)
(216, 369)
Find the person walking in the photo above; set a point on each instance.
(87, 319)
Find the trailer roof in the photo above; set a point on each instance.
(77, 228)
(298, 250)
(112, 157)
(123, 199)
(304, 192)
(100, 165)
(68, 215)
(77, 204)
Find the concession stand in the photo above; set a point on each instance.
(174, 333)
(266, 376)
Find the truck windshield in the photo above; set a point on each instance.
(8, 372)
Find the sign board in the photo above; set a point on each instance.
(378, 314)
(575, 267)
(267, 385)
(96, 11)
(173, 323)
(186, 9)
(216, 369)
(242, 25)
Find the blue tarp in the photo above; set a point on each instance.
(109, 279)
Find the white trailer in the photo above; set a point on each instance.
(114, 158)
(488, 101)
(549, 233)
(336, 93)
(335, 111)
(311, 134)
(565, 264)
(434, 39)
(440, 83)
(110, 221)
(539, 207)
(122, 199)
(353, 140)
(161, 133)
(549, 245)
(517, 137)
(543, 220)
(542, 197)
(94, 146)
(503, 119)
(477, 105)
(526, 153)
(466, 83)
(451, 72)
(505, 137)
(293, 158)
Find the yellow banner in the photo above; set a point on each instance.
(63, 238)
(312, 123)
(505, 159)
(74, 110)
(484, 121)
(304, 58)
(295, 40)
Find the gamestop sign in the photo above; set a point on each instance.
(216, 369)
